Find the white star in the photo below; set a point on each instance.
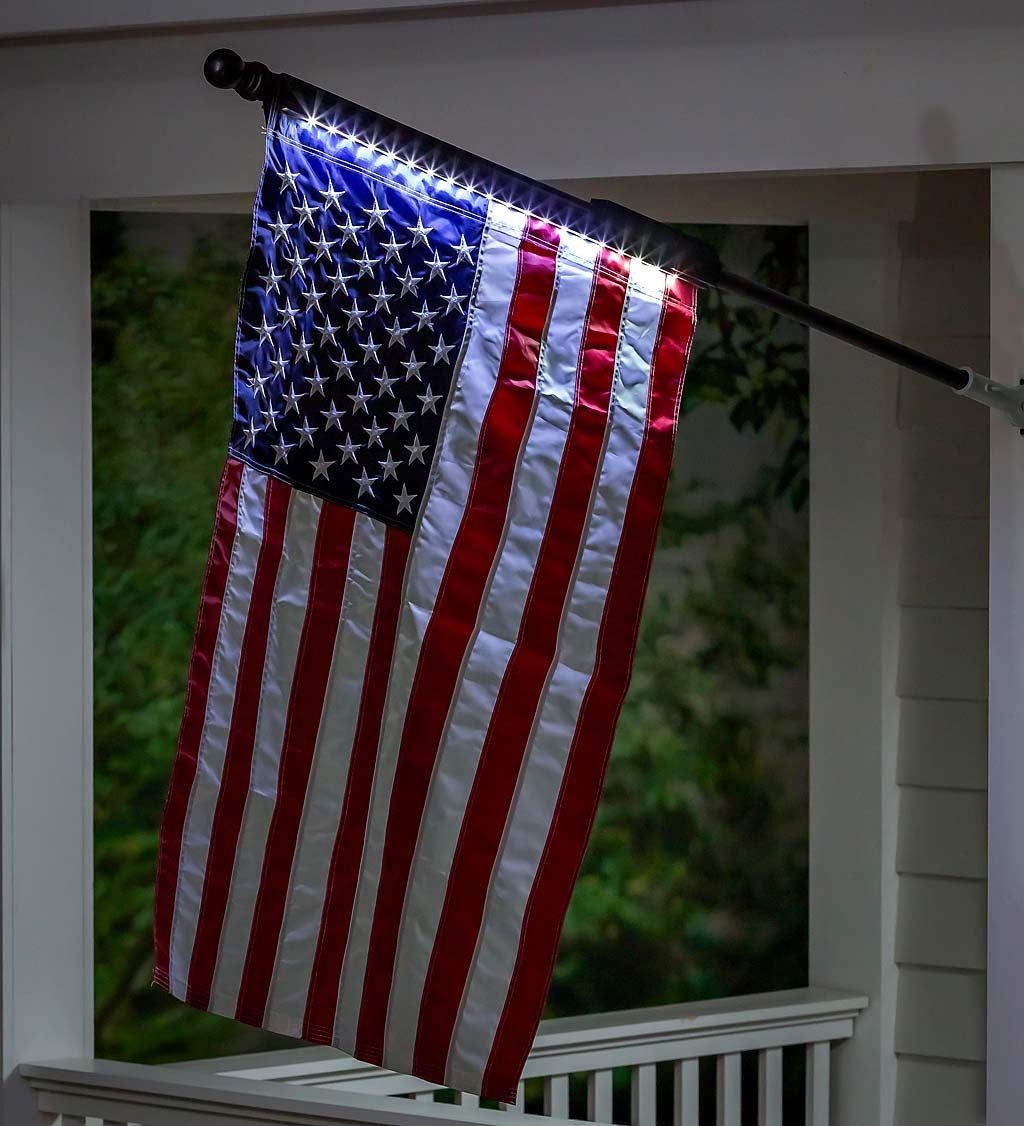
(373, 433)
(338, 280)
(265, 331)
(316, 383)
(435, 266)
(333, 416)
(453, 300)
(312, 296)
(269, 417)
(302, 345)
(397, 334)
(390, 467)
(359, 400)
(271, 281)
(408, 283)
(412, 366)
(405, 499)
(327, 332)
(347, 449)
(332, 195)
(349, 231)
(384, 384)
(393, 249)
(297, 263)
(287, 314)
(250, 432)
(381, 299)
(280, 365)
(441, 350)
(305, 213)
(366, 264)
(419, 232)
(320, 467)
(305, 432)
(370, 350)
(323, 246)
(424, 316)
(291, 400)
(281, 450)
(401, 417)
(377, 214)
(365, 483)
(258, 382)
(416, 451)
(463, 252)
(355, 314)
(343, 366)
(280, 229)
(288, 178)
(428, 400)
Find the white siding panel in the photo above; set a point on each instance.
(941, 922)
(941, 1013)
(943, 654)
(943, 743)
(940, 1093)
(925, 405)
(944, 562)
(943, 476)
(942, 833)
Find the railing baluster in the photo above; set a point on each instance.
(599, 1096)
(72, 1120)
(517, 1106)
(817, 1084)
(686, 1109)
(728, 1092)
(642, 1095)
(556, 1096)
(465, 1098)
(769, 1087)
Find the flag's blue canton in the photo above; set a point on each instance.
(353, 314)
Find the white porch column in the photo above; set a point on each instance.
(45, 644)
(853, 653)
(1005, 1086)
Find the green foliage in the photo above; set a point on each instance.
(695, 882)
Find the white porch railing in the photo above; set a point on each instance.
(316, 1085)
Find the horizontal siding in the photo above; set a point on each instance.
(943, 743)
(943, 475)
(942, 833)
(941, 1013)
(941, 922)
(944, 563)
(943, 653)
(940, 1091)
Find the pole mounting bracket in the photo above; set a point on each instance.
(994, 395)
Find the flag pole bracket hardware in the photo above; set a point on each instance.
(996, 396)
(695, 259)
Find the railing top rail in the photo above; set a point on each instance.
(129, 1085)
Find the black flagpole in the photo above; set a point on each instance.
(254, 81)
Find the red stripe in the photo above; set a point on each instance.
(523, 682)
(305, 710)
(194, 716)
(322, 998)
(585, 766)
(234, 783)
(455, 611)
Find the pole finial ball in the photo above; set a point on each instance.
(223, 68)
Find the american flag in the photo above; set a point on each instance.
(453, 426)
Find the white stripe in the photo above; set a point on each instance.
(326, 790)
(220, 702)
(497, 630)
(540, 779)
(287, 615)
(440, 515)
